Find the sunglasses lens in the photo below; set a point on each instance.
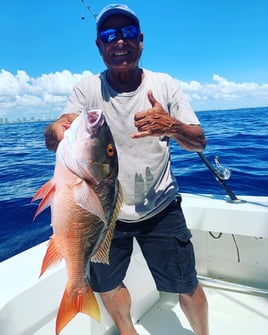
(128, 32)
(108, 35)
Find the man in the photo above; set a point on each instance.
(144, 110)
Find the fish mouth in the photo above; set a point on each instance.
(95, 120)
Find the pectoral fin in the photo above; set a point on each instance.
(86, 197)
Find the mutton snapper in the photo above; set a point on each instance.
(85, 199)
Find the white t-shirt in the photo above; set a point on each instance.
(144, 164)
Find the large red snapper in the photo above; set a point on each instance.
(85, 199)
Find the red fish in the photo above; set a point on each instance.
(85, 199)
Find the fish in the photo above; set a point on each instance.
(85, 197)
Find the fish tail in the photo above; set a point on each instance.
(73, 302)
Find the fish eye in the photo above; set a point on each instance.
(110, 150)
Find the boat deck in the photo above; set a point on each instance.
(230, 312)
(29, 305)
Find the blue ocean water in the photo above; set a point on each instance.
(238, 137)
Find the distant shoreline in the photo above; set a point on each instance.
(25, 121)
(4, 121)
(231, 109)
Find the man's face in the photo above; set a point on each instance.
(120, 54)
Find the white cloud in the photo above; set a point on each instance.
(222, 94)
(59, 83)
(24, 96)
(11, 85)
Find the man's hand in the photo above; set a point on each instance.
(154, 121)
(55, 131)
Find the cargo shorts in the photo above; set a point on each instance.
(165, 244)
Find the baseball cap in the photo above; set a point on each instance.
(113, 10)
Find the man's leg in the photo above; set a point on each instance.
(118, 303)
(195, 307)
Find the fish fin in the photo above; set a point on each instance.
(52, 256)
(87, 198)
(102, 253)
(46, 192)
(73, 302)
(43, 190)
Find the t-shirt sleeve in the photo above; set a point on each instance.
(76, 102)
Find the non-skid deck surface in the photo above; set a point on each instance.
(230, 313)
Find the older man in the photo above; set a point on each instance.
(144, 110)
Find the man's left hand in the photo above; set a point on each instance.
(152, 122)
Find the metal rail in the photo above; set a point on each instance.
(222, 284)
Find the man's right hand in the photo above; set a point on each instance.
(54, 132)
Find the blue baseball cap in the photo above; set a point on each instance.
(113, 10)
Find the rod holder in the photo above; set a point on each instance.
(221, 174)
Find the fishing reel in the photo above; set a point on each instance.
(222, 172)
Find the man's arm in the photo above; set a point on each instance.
(157, 122)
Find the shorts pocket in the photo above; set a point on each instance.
(185, 258)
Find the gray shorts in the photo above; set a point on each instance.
(166, 246)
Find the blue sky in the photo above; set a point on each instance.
(218, 50)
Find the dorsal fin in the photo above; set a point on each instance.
(43, 190)
(102, 253)
(46, 192)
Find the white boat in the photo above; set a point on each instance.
(231, 246)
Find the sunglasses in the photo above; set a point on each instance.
(110, 34)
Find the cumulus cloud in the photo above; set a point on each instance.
(22, 96)
(222, 94)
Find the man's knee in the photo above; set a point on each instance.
(118, 293)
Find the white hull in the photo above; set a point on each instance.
(234, 273)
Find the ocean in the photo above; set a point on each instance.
(238, 137)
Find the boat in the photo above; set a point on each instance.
(230, 238)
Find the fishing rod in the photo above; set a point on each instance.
(89, 8)
(221, 174)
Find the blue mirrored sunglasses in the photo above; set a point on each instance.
(110, 34)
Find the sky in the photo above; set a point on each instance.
(218, 50)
